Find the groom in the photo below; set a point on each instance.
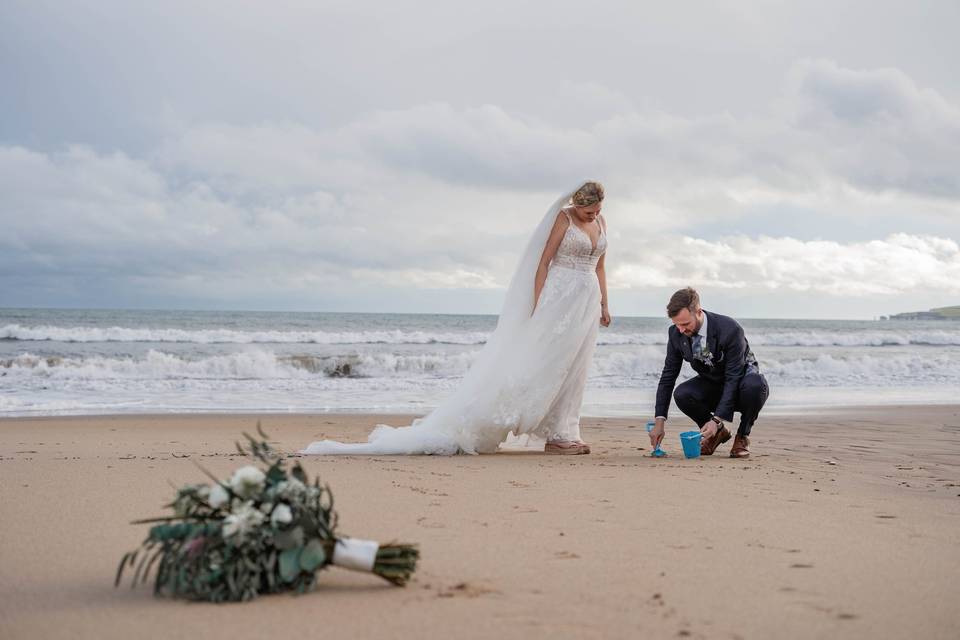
(728, 378)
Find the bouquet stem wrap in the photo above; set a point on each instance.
(356, 554)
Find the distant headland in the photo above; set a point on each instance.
(943, 313)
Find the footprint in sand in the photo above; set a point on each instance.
(466, 590)
(519, 509)
(423, 522)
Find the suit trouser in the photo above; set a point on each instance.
(698, 398)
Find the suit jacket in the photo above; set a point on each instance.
(726, 357)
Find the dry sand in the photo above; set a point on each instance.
(518, 545)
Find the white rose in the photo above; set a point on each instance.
(281, 515)
(291, 489)
(247, 481)
(218, 497)
(243, 520)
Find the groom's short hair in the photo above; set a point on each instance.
(687, 298)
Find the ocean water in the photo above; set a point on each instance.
(65, 362)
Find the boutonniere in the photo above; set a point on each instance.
(706, 357)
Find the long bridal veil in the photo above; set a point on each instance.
(509, 387)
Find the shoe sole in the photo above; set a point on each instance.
(578, 451)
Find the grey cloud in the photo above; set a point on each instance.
(879, 129)
(439, 196)
(905, 139)
(118, 74)
(901, 263)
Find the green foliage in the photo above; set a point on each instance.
(290, 564)
(263, 531)
(289, 539)
(948, 312)
(395, 563)
(312, 556)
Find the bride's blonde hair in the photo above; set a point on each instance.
(590, 193)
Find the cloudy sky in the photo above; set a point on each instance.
(789, 159)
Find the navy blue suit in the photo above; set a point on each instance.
(728, 378)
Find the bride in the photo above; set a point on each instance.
(529, 377)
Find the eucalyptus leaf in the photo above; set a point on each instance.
(290, 539)
(298, 473)
(290, 564)
(313, 556)
(275, 474)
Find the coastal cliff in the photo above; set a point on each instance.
(941, 313)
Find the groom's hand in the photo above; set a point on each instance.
(708, 430)
(657, 433)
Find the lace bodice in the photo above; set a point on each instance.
(576, 249)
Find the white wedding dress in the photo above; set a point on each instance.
(530, 375)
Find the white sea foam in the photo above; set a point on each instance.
(813, 338)
(230, 336)
(65, 362)
(259, 380)
(610, 369)
(866, 370)
(757, 337)
(619, 368)
(253, 364)
(875, 338)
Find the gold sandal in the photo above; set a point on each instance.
(566, 448)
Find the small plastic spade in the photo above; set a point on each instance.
(657, 451)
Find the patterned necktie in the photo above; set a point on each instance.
(698, 346)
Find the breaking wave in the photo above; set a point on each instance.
(611, 369)
(758, 337)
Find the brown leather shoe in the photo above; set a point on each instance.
(741, 447)
(707, 447)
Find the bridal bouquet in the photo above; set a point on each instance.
(262, 531)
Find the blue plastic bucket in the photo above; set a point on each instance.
(691, 443)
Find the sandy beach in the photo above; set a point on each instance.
(843, 524)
